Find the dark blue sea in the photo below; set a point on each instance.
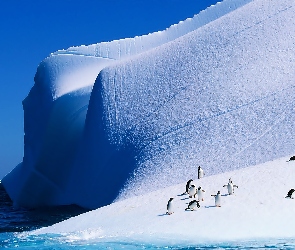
(16, 222)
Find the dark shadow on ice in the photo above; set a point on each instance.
(162, 214)
(183, 199)
(209, 206)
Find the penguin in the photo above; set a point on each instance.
(291, 194)
(192, 191)
(192, 205)
(292, 158)
(170, 207)
(200, 172)
(200, 194)
(188, 185)
(230, 187)
(217, 199)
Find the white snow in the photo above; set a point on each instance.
(257, 210)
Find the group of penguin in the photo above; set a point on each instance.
(192, 191)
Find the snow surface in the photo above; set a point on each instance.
(110, 121)
(257, 210)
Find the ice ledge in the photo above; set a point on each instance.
(119, 49)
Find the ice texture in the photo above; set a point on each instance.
(113, 120)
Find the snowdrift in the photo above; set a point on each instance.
(114, 120)
(258, 210)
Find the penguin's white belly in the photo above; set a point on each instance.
(170, 207)
(192, 191)
(192, 206)
(230, 188)
(217, 200)
(201, 174)
(200, 195)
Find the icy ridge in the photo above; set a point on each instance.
(119, 49)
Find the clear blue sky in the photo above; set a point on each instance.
(32, 29)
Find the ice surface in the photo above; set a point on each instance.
(258, 210)
(110, 121)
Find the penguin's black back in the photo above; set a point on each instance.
(291, 191)
(188, 185)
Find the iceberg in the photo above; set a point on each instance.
(114, 120)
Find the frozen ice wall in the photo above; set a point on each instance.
(117, 119)
(221, 97)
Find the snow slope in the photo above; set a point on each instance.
(257, 210)
(109, 121)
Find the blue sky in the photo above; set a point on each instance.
(32, 29)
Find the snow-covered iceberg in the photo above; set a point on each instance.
(109, 121)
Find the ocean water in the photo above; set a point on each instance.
(15, 223)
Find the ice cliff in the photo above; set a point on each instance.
(112, 120)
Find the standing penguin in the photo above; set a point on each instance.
(188, 185)
(200, 172)
(170, 206)
(192, 191)
(217, 199)
(230, 187)
(191, 206)
(291, 193)
(200, 194)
